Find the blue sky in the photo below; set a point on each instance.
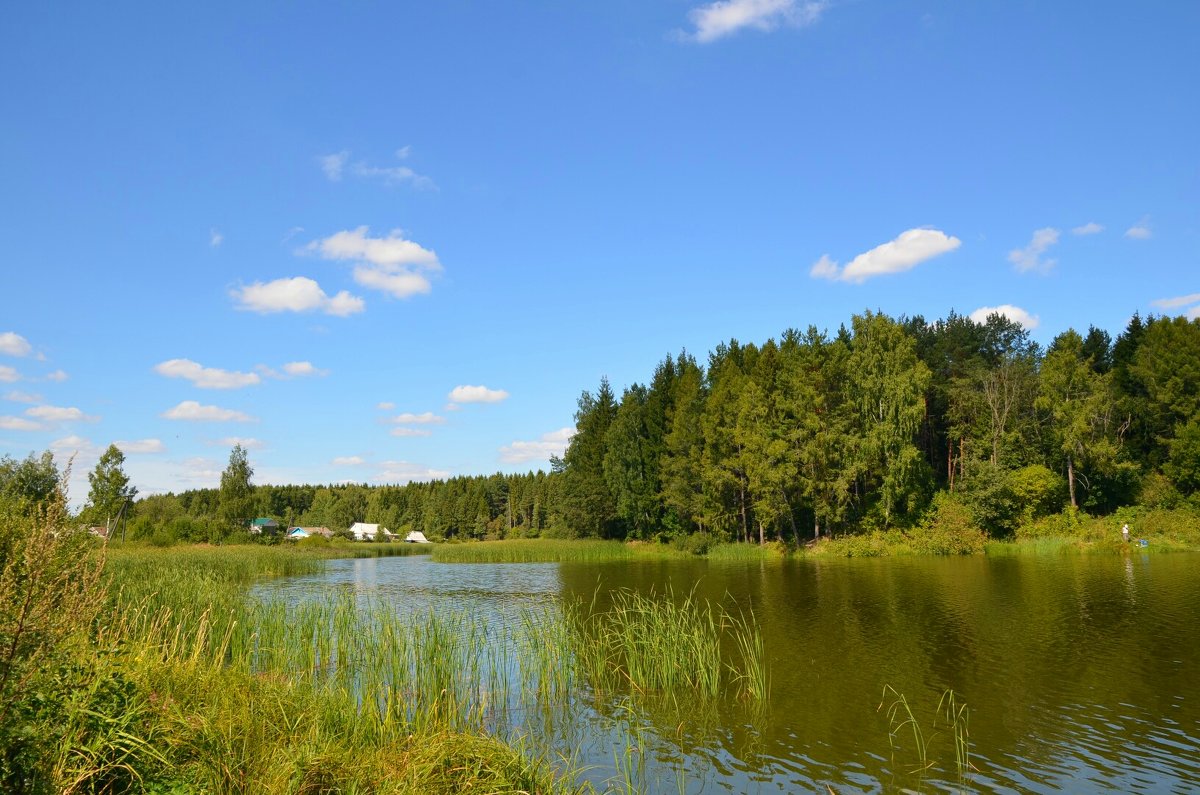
(380, 242)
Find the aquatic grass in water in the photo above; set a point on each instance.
(643, 644)
(532, 551)
(902, 723)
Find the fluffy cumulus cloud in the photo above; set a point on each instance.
(18, 424)
(1030, 258)
(1013, 313)
(392, 264)
(297, 294)
(717, 20)
(193, 411)
(9, 375)
(1190, 304)
(385, 405)
(58, 414)
(476, 394)
(424, 418)
(411, 433)
(57, 376)
(141, 446)
(1090, 228)
(904, 253)
(1140, 231)
(215, 238)
(205, 377)
(405, 472)
(14, 344)
(553, 443)
(348, 461)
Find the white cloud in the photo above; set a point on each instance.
(399, 284)
(297, 294)
(404, 472)
(1013, 313)
(904, 253)
(205, 377)
(58, 414)
(385, 405)
(476, 394)
(302, 369)
(1191, 301)
(14, 344)
(392, 250)
(550, 444)
(333, 164)
(193, 411)
(292, 370)
(22, 397)
(335, 167)
(391, 264)
(726, 17)
(348, 461)
(1140, 230)
(74, 445)
(1090, 228)
(141, 446)
(1030, 258)
(8, 374)
(247, 442)
(19, 424)
(1176, 302)
(199, 470)
(57, 376)
(215, 238)
(424, 418)
(411, 432)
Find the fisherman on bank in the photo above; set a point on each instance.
(1125, 532)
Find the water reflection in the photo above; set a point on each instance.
(1079, 672)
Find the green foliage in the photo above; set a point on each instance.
(236, 502)
(109, 487)
(30, 483)
(949, 529)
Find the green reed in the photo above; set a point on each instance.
(532, 551)
(663, 645)
(954, 716)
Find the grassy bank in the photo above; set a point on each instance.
(162, 676)
(594, 551)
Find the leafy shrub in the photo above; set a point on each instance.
(949, 529)
(694, 544)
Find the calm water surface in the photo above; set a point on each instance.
(1079, 672)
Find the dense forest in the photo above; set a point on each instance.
(873, 427)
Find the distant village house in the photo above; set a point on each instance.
(369, 532)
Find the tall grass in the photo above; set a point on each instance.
(532, 551)
(903, 726)
(191, 685)
(663, 645)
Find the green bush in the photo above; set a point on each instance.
(949, 529)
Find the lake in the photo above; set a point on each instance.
(1079, 672)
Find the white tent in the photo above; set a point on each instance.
(368, 532)
(416, 537)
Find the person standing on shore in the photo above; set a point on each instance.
(1125, 532)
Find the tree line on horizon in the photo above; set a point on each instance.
(808, 435)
